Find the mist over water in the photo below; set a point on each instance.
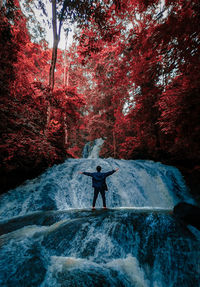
(51, 237)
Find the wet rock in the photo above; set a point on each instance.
(188, 213)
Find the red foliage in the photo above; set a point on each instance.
(150, 64)
(27, 148)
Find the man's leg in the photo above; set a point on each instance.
(103, 197)
(96, 192)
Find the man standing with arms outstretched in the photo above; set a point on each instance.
(99, 183)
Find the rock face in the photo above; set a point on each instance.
(188, 213)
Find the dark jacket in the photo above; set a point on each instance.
(99, 179)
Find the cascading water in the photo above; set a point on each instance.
(91, 149)
(51, 237)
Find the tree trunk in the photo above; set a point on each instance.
(56, 38)
(65, 67)
(114, 144)
(65, 60)
(65, 130)
(67, 83)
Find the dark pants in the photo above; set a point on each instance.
(96, 192)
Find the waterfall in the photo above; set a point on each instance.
(91, 149)
(137, 184)
(51, 237)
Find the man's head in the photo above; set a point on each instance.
(98, 168)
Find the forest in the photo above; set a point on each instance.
(131, 77)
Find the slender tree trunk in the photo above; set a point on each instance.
(65, 129)
(67, 83)
(56, 38)
(65, 60)
(114, 144)
(65, 67)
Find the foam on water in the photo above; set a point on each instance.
(118, 247)
(130, 266)
(127, 267)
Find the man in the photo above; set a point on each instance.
(99, 183)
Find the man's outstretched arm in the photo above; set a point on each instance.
(86, 173)
(111, 172)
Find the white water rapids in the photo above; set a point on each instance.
(51, 237)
